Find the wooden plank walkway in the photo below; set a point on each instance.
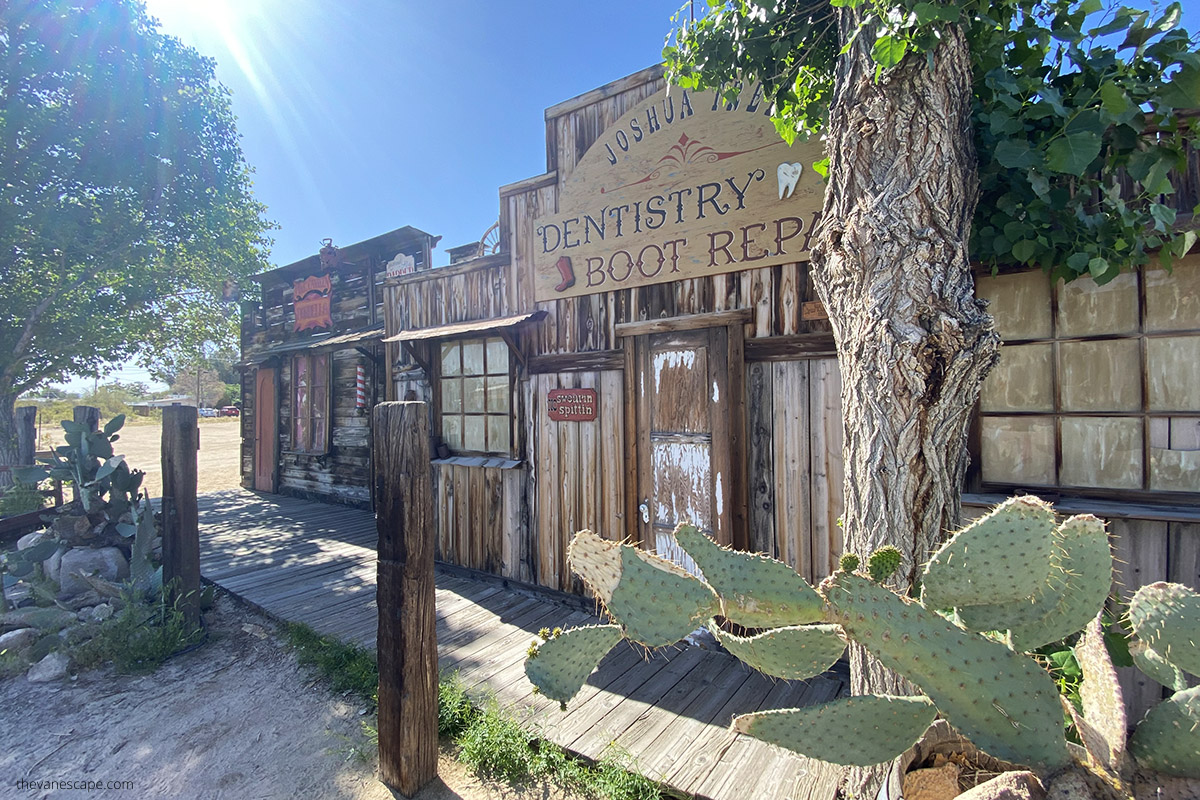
(670, 710)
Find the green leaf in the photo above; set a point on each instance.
(1016, 154)
(1182, 245)
(1098, 267)
(1114, 100)
(937, 12)
(1183, 90)
(888, 51)
(1078, 261)
(114, 424)
(1090, 7)
(1023, 250)
(1073, 153)
(822, 168)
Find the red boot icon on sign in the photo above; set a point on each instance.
(567, 273)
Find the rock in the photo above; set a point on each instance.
(100, 613)
(1007, 786)
(30, 539)
(933, 783)
(107, 562)
(47, 620)
(51, 668)
(89, 598)
(51, 565)
(18, 640)
(72, 528)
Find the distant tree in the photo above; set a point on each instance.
(126, 210)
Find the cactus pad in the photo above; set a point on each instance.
(883, 563)
(1000, 700)
(1152, 664)
(1166, 616)
(1081, 581)
(855, 731)
(1000, 557)
(794, 653)
(655, 602)
(755, 591)
(1103, 731)
(1168, 738)
(559, 666)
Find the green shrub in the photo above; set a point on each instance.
(21, 498)
(142, 635)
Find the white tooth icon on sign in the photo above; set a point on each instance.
(788, 175)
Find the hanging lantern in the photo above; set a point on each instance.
(360, 401)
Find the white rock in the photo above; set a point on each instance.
(30, 539)
(100, 613)
(107, 562)
(52, 564)
(18, 640)
(51, 668)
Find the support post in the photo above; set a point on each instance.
(89, 417)
(407, 640)
(181, 529)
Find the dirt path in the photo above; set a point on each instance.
(237, 718)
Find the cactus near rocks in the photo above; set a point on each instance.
(977, 678)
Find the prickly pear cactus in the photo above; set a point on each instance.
(1166, 616)
(560, 664)
(995, 695)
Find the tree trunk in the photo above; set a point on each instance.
(8, 435)
(913, 342)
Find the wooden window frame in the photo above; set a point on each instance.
(309, 447)
(438, 380)
(1145, 415)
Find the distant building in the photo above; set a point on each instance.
(143, 407)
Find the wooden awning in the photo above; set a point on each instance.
(315, 343)
(458, 329)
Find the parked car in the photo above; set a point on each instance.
(230, 411)
(208, 412)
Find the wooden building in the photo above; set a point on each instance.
(646, 346)
(313, 367)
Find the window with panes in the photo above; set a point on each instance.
(1098, 387)
(475, 399)
(310, 403)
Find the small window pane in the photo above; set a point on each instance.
(1022, 381)
(1020, 303)
(1102, 452)
(498, 433)
(1173, 369)
(1173, 299)
(452, 431)
(497, 395)
(320, 401)
(1101, 376)
(452, 395)
(1086, 309)
(1174, 470)
(474, 395)
(1017, 450)
(473, 433)
(319, 434)
(450, 359)
(472, 358)
(497, 357)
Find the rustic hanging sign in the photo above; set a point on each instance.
(310, 301)
(571, 405)
(686, 184)
(402, 264)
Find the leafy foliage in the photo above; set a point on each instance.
(126, 207)
(1077, 117)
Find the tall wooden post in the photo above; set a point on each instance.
(89, 417)
(26, 434)
(181, 530)
(407, 640)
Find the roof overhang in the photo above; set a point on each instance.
(323, 343)
(461, 329)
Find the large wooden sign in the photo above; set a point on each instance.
(310, 301)
(685, 184)
(571, 405)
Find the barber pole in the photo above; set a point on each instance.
(361, 386)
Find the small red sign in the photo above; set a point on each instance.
(310, 300)
(572, 405)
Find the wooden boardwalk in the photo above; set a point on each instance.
(670, 710)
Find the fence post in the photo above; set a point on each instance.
(407, 640)
(89, 417)
(181, 531)
(26, 434)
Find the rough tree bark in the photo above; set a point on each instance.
(8, 435)
(891, 267)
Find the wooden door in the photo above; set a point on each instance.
(683, 437)
(266, 433)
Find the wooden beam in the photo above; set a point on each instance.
(507, 336)
(584, 361)
(791, 348)
(407, 637)
(690, 322)
(181, 529)
(529, 184)
(607, 90)
(422, 361)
